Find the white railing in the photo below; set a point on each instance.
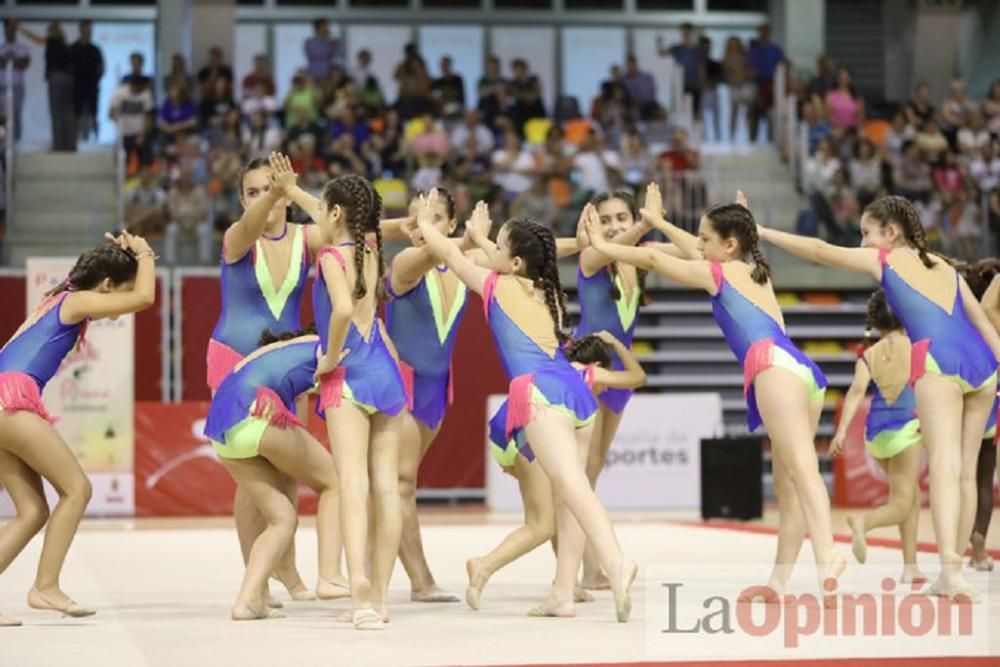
(121, 160)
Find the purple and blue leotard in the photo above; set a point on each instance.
(250, 304)
(891, 425)
(368, 376)
(424, 335)
(598, 312)
(759, 343)
(30, 359)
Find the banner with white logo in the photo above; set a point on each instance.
(91, 397)
(654, 461)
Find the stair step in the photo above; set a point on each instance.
(47, 165)
(48, 221)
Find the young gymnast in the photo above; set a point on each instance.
(362, 396)
(983, 278)
(525, 308)
(892, 432)
(783, 387)
(115, 278)
(265, 263)
(593, 357)
(256, 434)
(953, 371)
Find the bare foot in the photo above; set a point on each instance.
(246, 612)
(433, 594)
(828, 584)
(581, 595)
(335, 589)
(623, 591)
(55, 600)
(8, 622)
(478, 576)
(550, 608)
(913, 575)
(859, 543)
(980, 560)
(599, 582)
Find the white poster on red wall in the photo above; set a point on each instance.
(91, 396)
(654, 462)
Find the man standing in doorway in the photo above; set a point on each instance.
(689, 57)
(88, 68)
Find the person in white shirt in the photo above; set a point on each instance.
(18, 55)
(257, 100)
(594, 163)
(971, 139)
(471, 129)
(985, 168)
(513, 167)
(130, 107)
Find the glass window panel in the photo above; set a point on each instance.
(588, 55)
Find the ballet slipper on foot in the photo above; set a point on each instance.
(598, 583)
(331, 590)
(367, 619)
(913, 576)
(273, 602)
(581, 595)
(859, 543)
(549, 609)
(245, 612)
(433, 594)
(980, 560)
(961, 592)
(69, 608)
(623, 596)
(477, 580)
(8, 622)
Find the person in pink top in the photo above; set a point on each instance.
(844, 107)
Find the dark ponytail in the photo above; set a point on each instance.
(536, 246)
(879, 317)
(108, 260)
(589, 350)
(899, 210)
(267, 337)
(363, 207)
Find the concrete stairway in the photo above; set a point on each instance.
(63, 203)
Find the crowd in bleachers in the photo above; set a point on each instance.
(942, 154)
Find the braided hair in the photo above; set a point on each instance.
(980, 275)
(735, 220)
(444, 195)
(589, 350)
(267, 337)
(899, 210)
(879, 317)
(628, 199)
(107, 260)
(536, 246)
(363, 207)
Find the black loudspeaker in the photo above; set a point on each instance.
(732, 478)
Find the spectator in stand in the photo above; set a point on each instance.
(817, 127)
(323, 51)
(259, 77)
(711, 76)
(742, 89)
(17, 56)
(363, 69)
(556, 158)
(931, 141)
(414, 84)
(866, 173)
(513, 168)
(948, 175)
(449, 90)
(682, 155)
(974, 136)
(178, 75)
(911, 178)
(931, 212)
(536, 203)
(844, 107)
(178, 114)
(764, 57)
(344, 159)
(637, 165)
(427, 135)
(257, 99)
(302, 125)
(307, 162)
(260, 136)
(659, 131)
(146, 204)
(59, 76)
(303, 97)
(899, 133)
(819, 169)
(187, 204)
(371, 96)
(347, 121)
(824, 81)
(919, 110)
(491, 89)
(527, 93)
(955, 112)
(689, 56)
(984, 169)
(598, 167)
(225, 135)
(429, 173)
(472, 132)
(88, 68)
(390, 144)
(965, 223)
(217, 102)
(843, 201)
(991, 109)
(136, 62)
(211, 73)
(612, 111)
(641, 88)
(131, 107)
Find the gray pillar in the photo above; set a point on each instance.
(804, 31)
(214, 24)
(173, 35)
(935, 46)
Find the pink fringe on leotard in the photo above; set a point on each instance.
(489, 287)
(759, 359)
(221, 359)
(918, 359)
(269, 405)
(331, 388)
(406, 371)
(519, 403)
(588, 375)
(18, 391)
(451, 383)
